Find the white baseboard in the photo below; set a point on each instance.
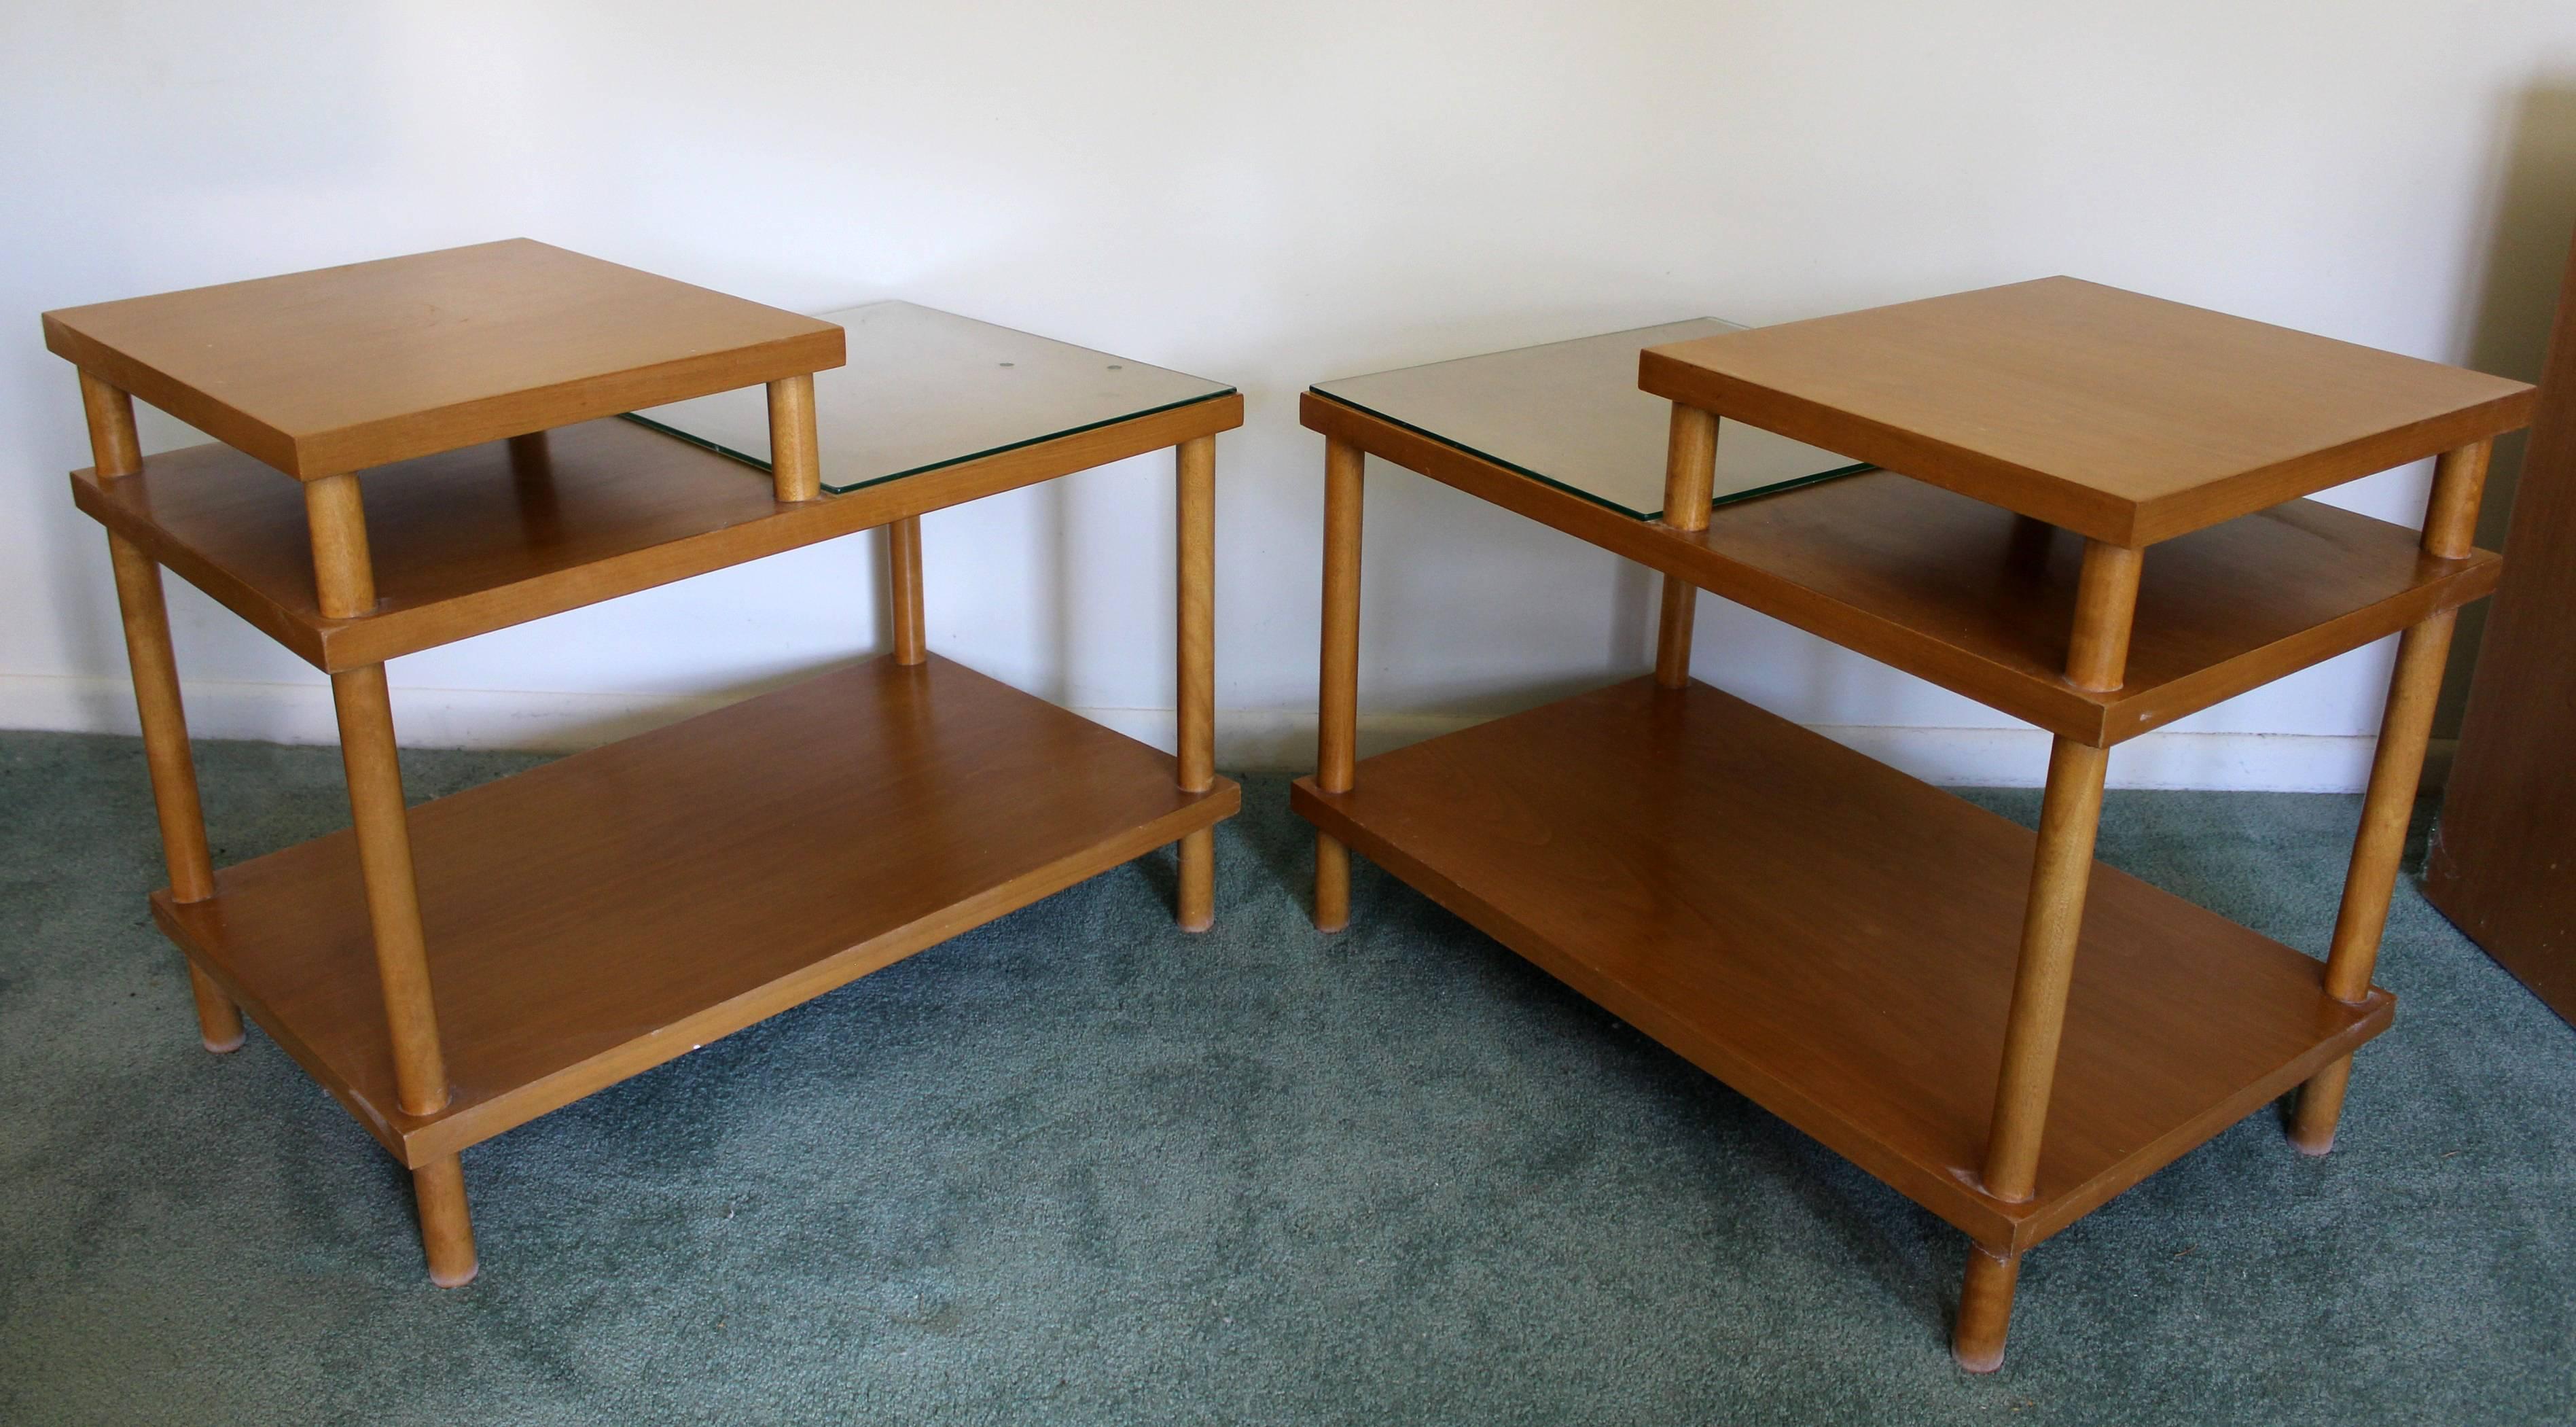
(1258, 740)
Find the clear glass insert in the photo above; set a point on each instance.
(1570, 414)
(925, 389)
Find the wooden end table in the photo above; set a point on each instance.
(457, 969)
(1881, 964)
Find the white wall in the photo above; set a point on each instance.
(1269, 193)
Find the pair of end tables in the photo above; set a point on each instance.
(1980, 1016)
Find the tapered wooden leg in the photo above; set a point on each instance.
(446, 1230)
(117, 450)
(2396, 770)
(903, 590)
(2371, 880)
(795, 453)
(344, 575)
(1337, 695)
(393, 899)
(1195, 466)
(1690, 468)
(1985, 1309)
(2061, 873)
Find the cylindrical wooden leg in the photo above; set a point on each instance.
(344, 573)
(446, 1230)
(1337, 696)
(2061, 872)
(393, 899)
(2371, 880)
(1195, 469)
(903, 590)
(1985, 1309)
(795, 452)
(1690, 470)
(174, 768)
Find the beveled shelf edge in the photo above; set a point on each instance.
(335, 645)
(2002, 1225)
(2051, 703)
(416, 1140)
(2059, 502)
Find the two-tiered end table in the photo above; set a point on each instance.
(1989, 1021)
(454, 970)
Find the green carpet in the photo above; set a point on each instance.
(1079, 1167)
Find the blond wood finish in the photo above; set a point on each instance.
(174, 769)
(795, 451)
(1985, 1309)
(575, 912)
(1690, 466)
(1837, 940)
(2396, 771)
(1337, 692)
(460, 548)
(904, 609)
(2052, 927)
(446, 1229)
(342, 369)
(344, 575)
(1959, 592)
(383, 835)
(118, 452)
(2106, 600)
(2126, 418)
(2451, 511)
(114, 447)
(1194, 463)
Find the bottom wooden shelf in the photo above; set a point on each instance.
(599, 915)
(1837, 940)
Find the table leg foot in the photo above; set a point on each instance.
(219, 1021)
(2320, 1109)
(1332, 883)
(446, 1232)
(1198, 880)
(1985, 1309)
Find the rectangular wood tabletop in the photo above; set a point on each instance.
(335, 370)
(2126, 417)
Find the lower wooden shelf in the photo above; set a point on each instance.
(1837, 940)
(599, 915)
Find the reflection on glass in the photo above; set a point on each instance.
(925, 389)
(1570, 414)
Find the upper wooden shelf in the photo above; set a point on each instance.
(478, 539)
(2127, 418)
(339, 369)
(1981, 601)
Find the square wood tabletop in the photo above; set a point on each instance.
(2125, 417)
(338, 369)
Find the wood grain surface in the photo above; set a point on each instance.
(339, 369)
(2124, 417)
(1837, 940)
(465, 542)
(1982, 602)
(597, 916)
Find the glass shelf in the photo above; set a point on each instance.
(925, 389)
(1570, 414)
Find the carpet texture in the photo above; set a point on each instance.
(1079, 1167)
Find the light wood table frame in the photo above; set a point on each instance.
(453, 970)
(1887, 968)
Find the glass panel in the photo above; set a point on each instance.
(925, 389)
(1570, 414)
